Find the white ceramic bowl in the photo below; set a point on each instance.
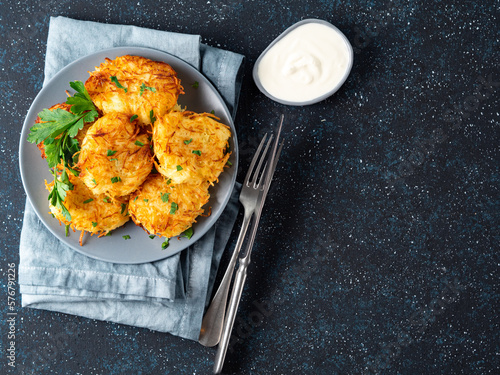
(350, 59)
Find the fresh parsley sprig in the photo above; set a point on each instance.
(57, 131)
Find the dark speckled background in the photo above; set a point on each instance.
(378, 250)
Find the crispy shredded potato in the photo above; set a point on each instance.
(139, 86)
(190, 147)
(79, 137)
(141, 125)
(166, 209)
(92, 213)
(115, 157)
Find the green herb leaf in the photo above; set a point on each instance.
(196, 84)
(197, 152)
(58, 193)
(126, 237)
(173, 208)
(164, 245)
(118, 84)
(88, 200)
(94, 224)
(54, 123)
(110, 153)
(139, 143)
(188, 233)
(146, 200)
(179, 168)
(144, 87)
(123, 207)
(152, 236)
(57, 130)
(164, 197)
(188, 141)
(152, 117)
(133, 118)
(115, 180)
(66, 230)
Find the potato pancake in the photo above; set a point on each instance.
(190, 147)
(167, 209)
(134, 85)
(92, 213)
(115, 156)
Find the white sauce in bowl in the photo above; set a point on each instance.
(309, 62)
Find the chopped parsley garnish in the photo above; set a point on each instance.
(144, 87)
(146, 200)
(188, 141)
(133, 118)
(152, 236)
(188, 233)
(173, 208)
(110, 153)
(229, 163)
(115, 180)
(124, 207)
(164, 245)
(212, 112)
(196, 84)
(136, 198)
(118, 84)
(197, 152)
(57, 131)
(179, 168)
(152, 116)
(66, 230)
(88, 200)
(164, 197)
(169, 181)
(94, 181)
(126, 237)
(94, 224)
(106, 200)
(139, 143)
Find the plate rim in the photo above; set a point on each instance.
(123, 50)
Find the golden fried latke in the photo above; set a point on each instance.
(190, 147)
(96, 214)
(115, 157)
(79, 137)
(134, 85)
(166, 209)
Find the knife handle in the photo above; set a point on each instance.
(239, 283)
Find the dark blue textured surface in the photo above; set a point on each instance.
(378, 250)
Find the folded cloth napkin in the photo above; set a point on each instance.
(168, 295)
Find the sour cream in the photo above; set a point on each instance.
(305, 64)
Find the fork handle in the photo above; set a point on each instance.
(239, 283)
(211, 326)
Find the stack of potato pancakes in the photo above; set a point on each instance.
(144, 158)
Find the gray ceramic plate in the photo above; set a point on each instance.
(139, 248)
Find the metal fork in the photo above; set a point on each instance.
(211, 326)
(244, 259)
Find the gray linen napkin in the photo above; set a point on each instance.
(168, 295)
